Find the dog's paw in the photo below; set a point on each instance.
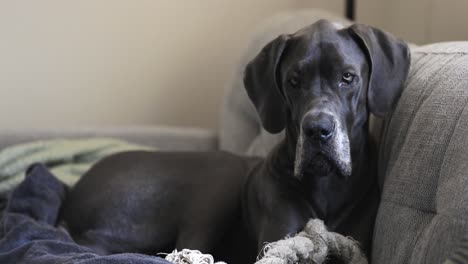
(297, 249)
(313, 245)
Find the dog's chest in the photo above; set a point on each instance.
(324, 194)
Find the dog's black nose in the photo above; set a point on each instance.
(320, 126)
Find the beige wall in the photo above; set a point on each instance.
(121, 62)
(419, 21)
(142, 62)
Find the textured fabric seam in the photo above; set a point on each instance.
(420, 230)
(413, 197)
(393, 201)
(414, 112)
(440, 53)
(416, 60)
(396, 202)
(446, 148)
(420, 67)
(431, 239)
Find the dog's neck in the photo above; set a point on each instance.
(319, 189)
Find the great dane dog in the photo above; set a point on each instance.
(319, 84)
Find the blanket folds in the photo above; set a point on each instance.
(68, 159)
(28, 231)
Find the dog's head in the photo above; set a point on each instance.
(321, 82)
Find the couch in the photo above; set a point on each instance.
(423, 156)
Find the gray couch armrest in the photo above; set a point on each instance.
(423, 211)
(161, 137)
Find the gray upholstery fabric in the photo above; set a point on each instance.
(240, 128)
(424, 161)
(163, 138)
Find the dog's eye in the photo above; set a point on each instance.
(347, 78)
(293, 82)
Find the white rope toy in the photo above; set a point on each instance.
(312, 245)
(187, 256)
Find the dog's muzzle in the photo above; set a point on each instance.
(322, 139)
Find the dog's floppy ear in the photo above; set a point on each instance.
(261, 83)
(389, 60)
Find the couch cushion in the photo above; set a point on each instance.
(424, 160)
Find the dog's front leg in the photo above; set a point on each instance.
(277, 228)
(197, 238)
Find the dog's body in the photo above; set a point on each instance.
(319, 84)
(147, 202)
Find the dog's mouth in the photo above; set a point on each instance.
(318, 159)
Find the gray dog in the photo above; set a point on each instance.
(320, 84)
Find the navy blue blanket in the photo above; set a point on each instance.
(28, 232)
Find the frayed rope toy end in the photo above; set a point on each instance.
(187, 256)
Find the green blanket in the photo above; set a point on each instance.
(68, 159)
